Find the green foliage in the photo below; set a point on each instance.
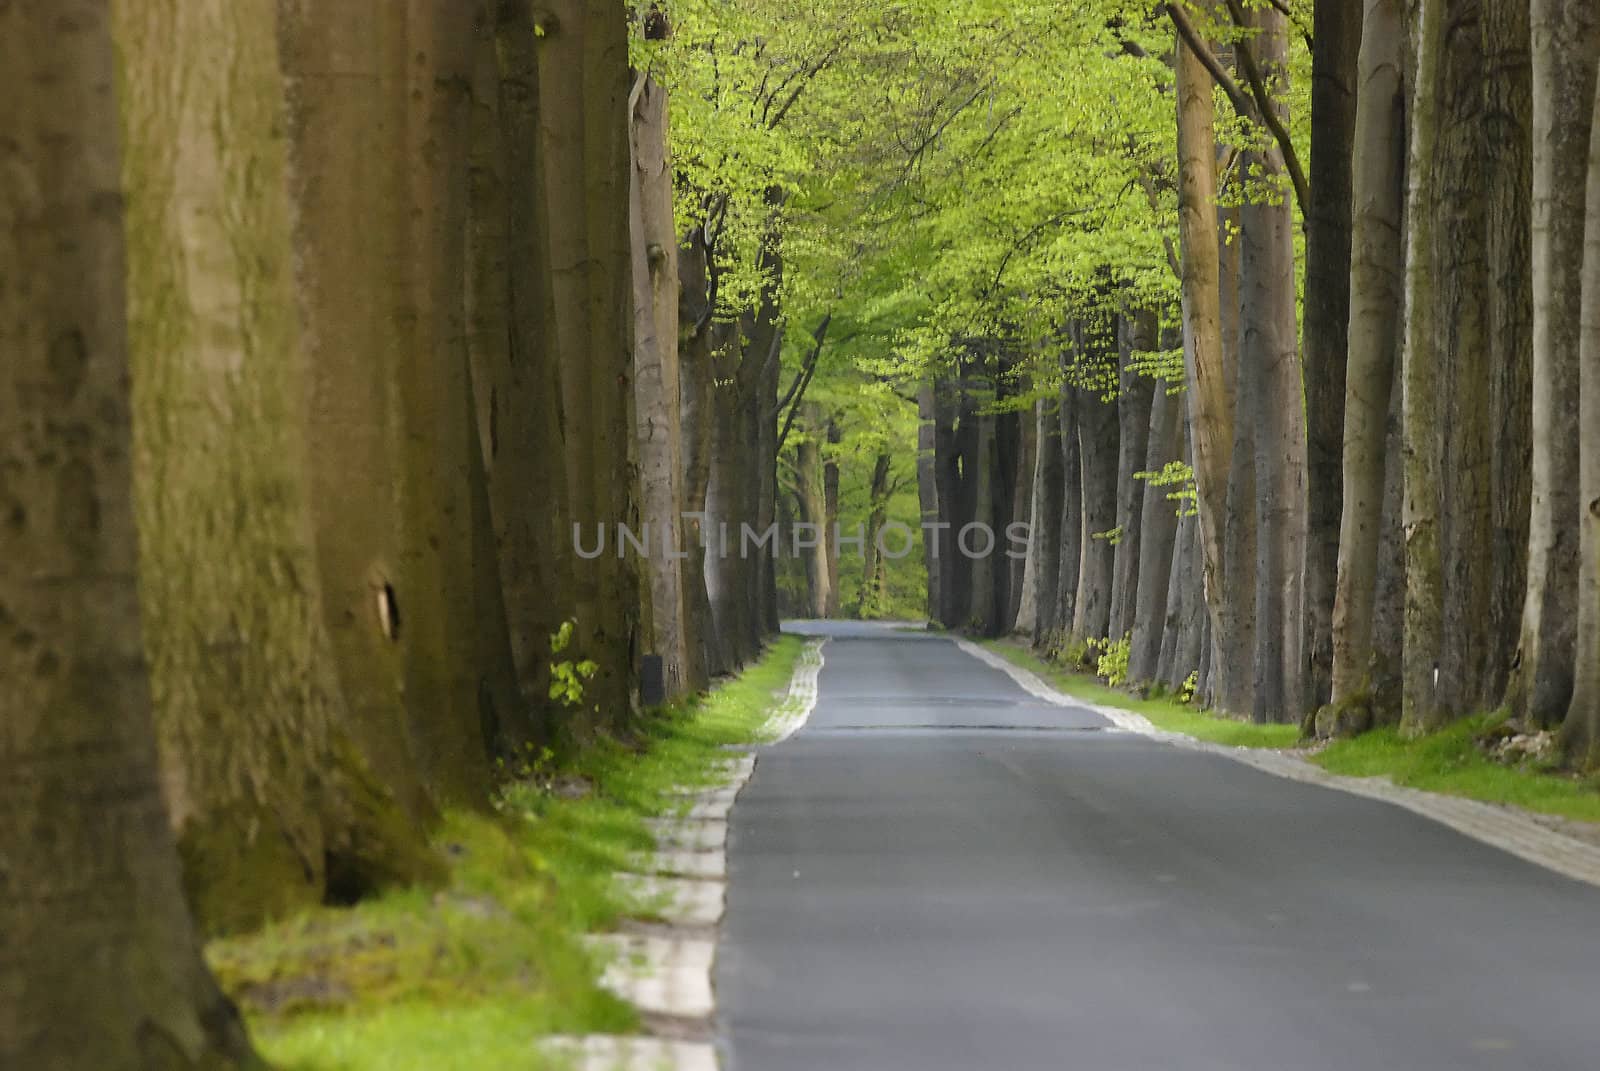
(1190, 685)
(1112, 663)
(567, 676)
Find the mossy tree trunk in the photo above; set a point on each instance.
(1563, 54)
(275, 804)
(102, 965)
(1376, 290)
(1580, 732)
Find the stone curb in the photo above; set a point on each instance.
(687, 887)
(1507, 828)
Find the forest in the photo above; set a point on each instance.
(335, 334)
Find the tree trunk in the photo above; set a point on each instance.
(812, 512)
(830, 500)
(515, 369)
(1376, 289)
(1420, 379)
(980, 616)
(696, 421)
(1580, 732)
(871, 600)
(1564, 54)
(1098, 437)
(1134, 400)
(1027, 617)
(1071, 526)
(1158, 527)
(102, 966)
(1507, 138)
(1045, 543)
(656, 387)
(1461, 286)
(1337, 27)
(275, 806)
(1210, 400)
(928, 497)
(583, 92)
(1269, 356)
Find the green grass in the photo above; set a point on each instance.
(1164, 713)
(468, 974)
(1450, 761)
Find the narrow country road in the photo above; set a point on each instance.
(942, 873)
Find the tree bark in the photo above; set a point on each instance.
(1564, 54)
(583, 90)
(1098, 437)
(1158, 527)
(1134, 400)
(812, 511)
(1420, 380)
(1507, 138)
(1210, 401)
(1337, 28)
(1269, 355)
(101, 965)
(1046, 543)
(1376, 291)
(1071, 526)
(656, 387)
(830, 501)
(1580, 732)
(696, 421)
(275, 805)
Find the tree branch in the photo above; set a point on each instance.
(1269, 114)
(797, 390)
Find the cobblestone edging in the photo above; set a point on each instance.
(1507, 828)
(666, 970)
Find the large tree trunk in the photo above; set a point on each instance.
(1564, 53)
(1158, 527)
(454, 666)
(981, 566)
(1420, 379)
(1046, 535)
(1210, 394)
(102, 966)
(870, 603)
(1027, 619)
(1337, 28)
(1507, 138)
(1134, 399)
(1071, 526)
(1466, 448)
(1098, 437)
(1580, 733)
(583, 91)
(1376, 289)
(656, 387)
(1269, 356)
(515, 370)
(697, 420)
(275, 806)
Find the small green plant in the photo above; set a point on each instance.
(1191, 684)
(1112, 663)
(567, 676)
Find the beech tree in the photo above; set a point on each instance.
(101, 965)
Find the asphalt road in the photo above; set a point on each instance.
(940, 872)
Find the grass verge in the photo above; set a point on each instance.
(1449, 762)
(1164, 712)
(468, 974)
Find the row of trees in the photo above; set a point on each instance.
(1315, 270)
(331, 329)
